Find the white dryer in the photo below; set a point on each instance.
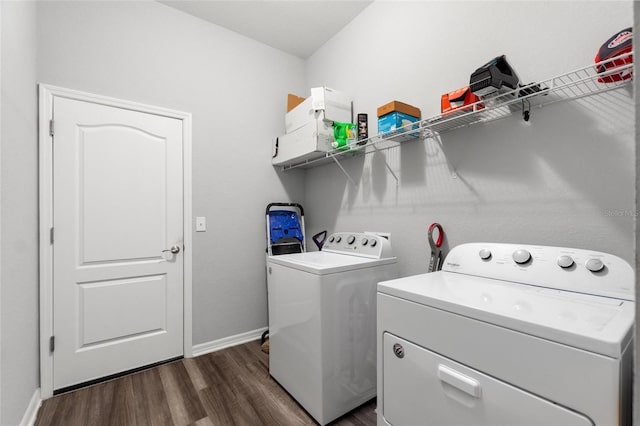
(322, 322)
(508, 335)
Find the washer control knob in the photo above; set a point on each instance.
(364, 242)
(521, 256)
(485, 254)
(565, 261)
(332, 239)
(351, 239)
(338, 239)
(594, 265)
(374, 243)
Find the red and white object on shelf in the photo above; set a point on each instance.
(615, 52)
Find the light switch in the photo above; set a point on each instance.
(201, 224)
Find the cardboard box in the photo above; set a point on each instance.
(293, 101)
(308, 142)
(323, 104)
(398, 125)
(395, 106)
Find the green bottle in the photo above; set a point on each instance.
(344, 135)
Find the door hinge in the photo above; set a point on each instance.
(52, 343)
(50, 127)
(51, 235)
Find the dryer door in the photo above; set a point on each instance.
(422, 387)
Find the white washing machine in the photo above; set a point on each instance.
(322, 322)
(508, 335)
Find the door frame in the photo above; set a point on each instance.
(45, 113)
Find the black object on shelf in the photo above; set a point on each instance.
(532, 89)
(363, 130)
(493, 76)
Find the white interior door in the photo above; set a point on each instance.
(117, 208)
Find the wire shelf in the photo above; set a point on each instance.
(586, 81)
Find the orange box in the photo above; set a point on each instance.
(293, 101)
(459, 100)
(396, 106)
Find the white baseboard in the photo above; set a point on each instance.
(227, 342)
(29, 418)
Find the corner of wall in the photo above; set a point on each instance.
(1, 7)
(19, 364)
(636, 393)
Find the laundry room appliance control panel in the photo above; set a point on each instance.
(577, 270)
(358, 244)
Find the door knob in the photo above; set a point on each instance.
(174, 249)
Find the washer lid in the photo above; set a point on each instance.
(597, 324)
(322, 263)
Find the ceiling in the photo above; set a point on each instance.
(298, 27)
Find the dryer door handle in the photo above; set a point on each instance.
(459, 381)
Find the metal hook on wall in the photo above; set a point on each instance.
(526, 110)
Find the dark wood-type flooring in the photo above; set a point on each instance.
(227, 387)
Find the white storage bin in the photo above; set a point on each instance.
(308, 142)
(324, 103)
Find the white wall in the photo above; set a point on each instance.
(553, 181)
(549, 182)
(18, 211)
(236, 90)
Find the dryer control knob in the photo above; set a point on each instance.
(521, 256)
(485, 254)
(594, 265)
(351, 239)
(338, 239)
(565, 261)
(364, 242)
(374, 243)
(332, 239)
